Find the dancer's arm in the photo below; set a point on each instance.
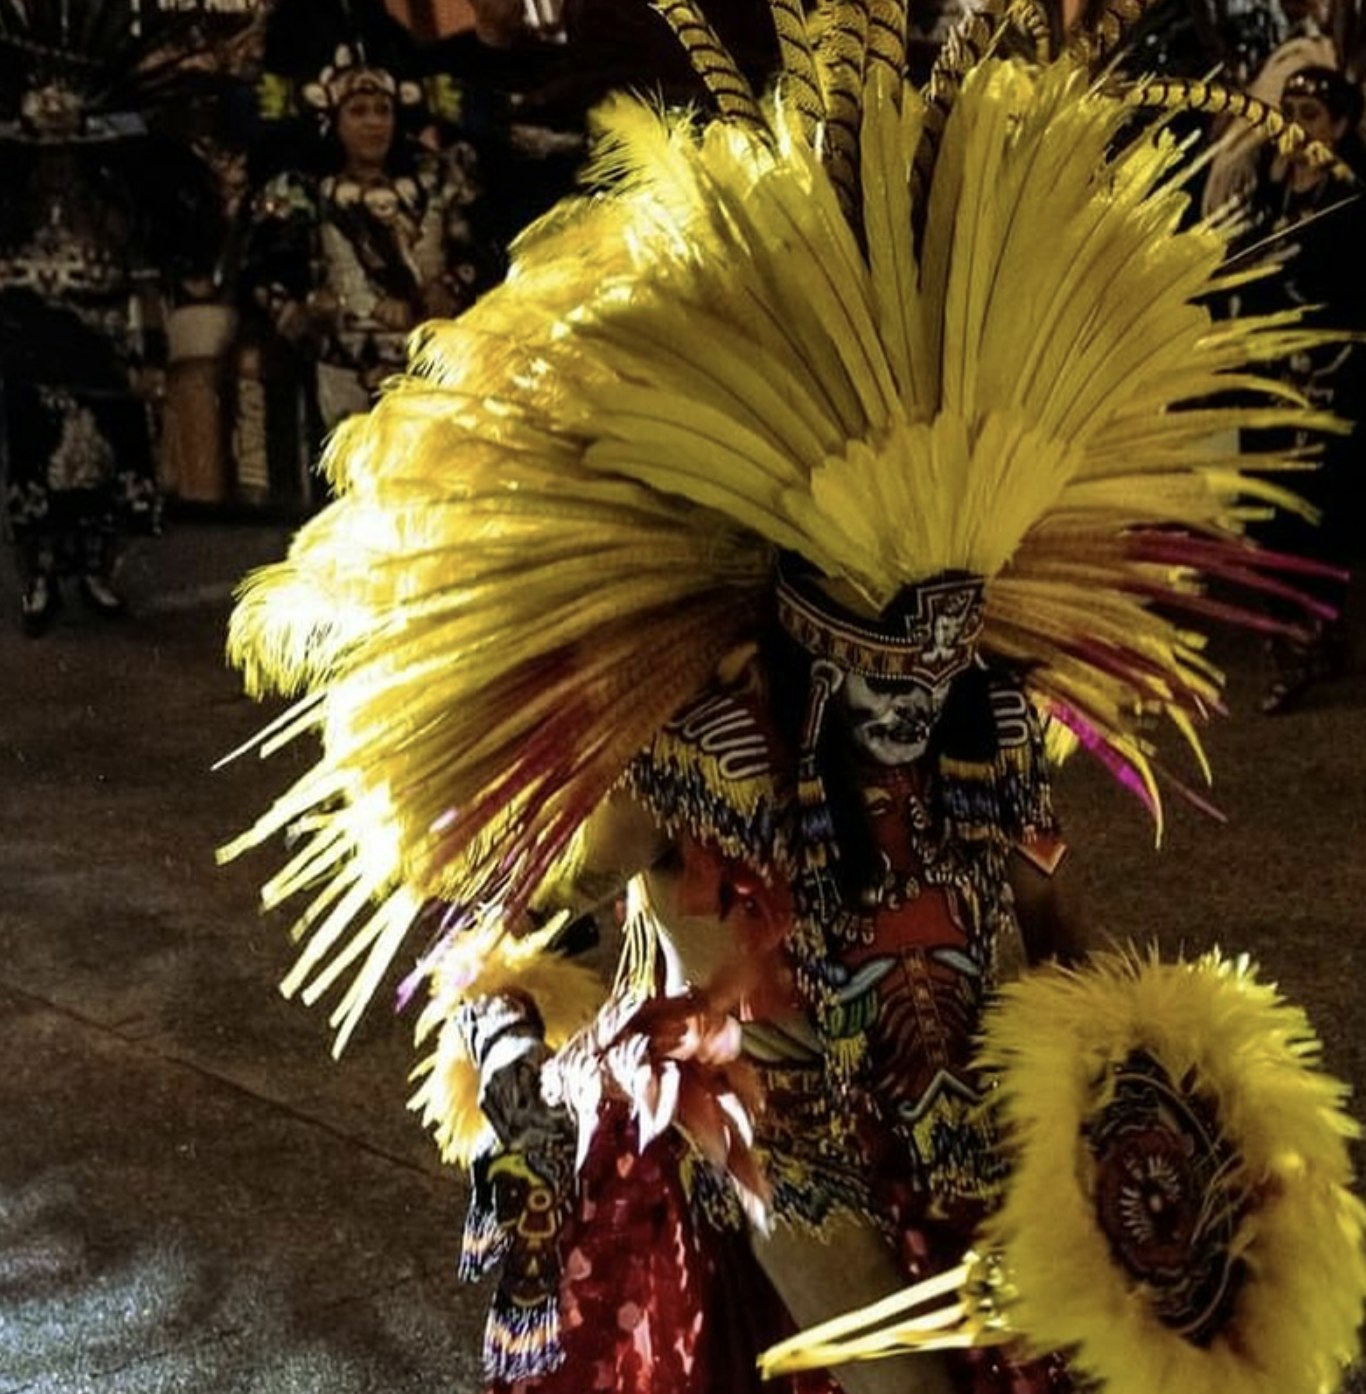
(1051, 922)
(849, 1267)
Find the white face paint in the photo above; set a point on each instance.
(890, 722)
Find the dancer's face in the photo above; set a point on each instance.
(890, 722)
(1318, 122)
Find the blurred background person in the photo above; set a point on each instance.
(346, 257)
(500, 85)
(100, 213)
(346, 249)
(216, 122)
(521, 81)
(1301, 39)
(1303, 212)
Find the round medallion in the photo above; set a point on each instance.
(1163, 1196)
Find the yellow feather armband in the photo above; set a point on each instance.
(484, 962)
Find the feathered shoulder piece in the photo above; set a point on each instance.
(894, 331)
(720, 771)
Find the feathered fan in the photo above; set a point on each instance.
(1178, 1213)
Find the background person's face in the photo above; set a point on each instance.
(365, 127)
(1295, 11)
(1318, 122)
(499, 21)
(51, 110)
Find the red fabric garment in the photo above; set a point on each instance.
(994, 1372)
(655, 1301)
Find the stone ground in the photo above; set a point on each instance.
(194, 1197)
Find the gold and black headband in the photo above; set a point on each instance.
(928, 635)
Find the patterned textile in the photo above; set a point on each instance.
(912, 970)
(655, 1299)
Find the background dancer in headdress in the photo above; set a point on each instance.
(347, 260)
(101, 213)
(1300, 215)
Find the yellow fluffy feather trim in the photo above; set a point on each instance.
(487, 961)
(1297, 1269)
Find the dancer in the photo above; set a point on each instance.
(742, 556)
(105, 214)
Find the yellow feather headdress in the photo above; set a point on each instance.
(893, 331)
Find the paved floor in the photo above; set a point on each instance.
(194, 1197)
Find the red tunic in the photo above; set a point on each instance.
(659, 1293)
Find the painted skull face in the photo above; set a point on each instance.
(890, 722)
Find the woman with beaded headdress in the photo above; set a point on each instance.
(738, 559)
(348, 261)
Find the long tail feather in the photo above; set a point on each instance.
(801, 80)
(1173, 94)
(887, 22)
(842, 53)
(965, 46)
(712, 62)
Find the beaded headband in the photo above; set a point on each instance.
(349, 75)
(1325, 85)
(928, 635)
